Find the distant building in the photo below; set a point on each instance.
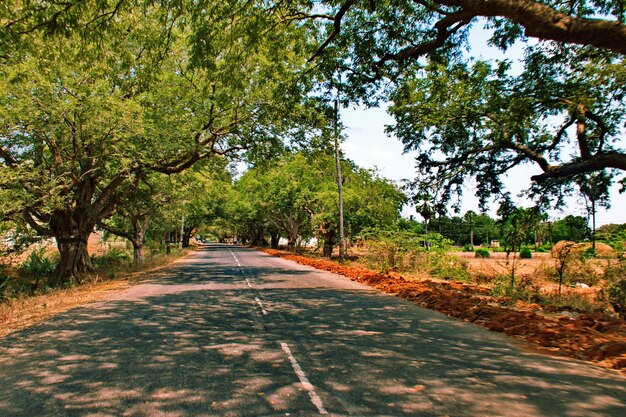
(495, 244)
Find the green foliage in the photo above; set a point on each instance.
(519, 225)
(615, 237)
(296, 196)
(467, 111)
(614, 289)
(112, 261)
(458, 228)
(91, 113)
(482, 253)
(468, 248)
(525, 290)
(403, 251)
(525, 253)
(395, 250)
(572, 301)
(5, 279)
(590, 253)
(38, 265)
(573, 228)
(546, 247)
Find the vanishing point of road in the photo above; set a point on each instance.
(229, 331)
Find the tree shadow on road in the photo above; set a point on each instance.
(200, 344)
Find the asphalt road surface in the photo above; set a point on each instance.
(233, 332)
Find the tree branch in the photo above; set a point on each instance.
(336, 28)
(8, 157)
(44, 231)
(595, 163)
(544, 22)
(529, 153)
(446, 27)
(116, 231)
(604, 130)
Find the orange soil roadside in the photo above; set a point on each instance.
(592, 337)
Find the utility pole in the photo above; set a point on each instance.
(342, 246)
(182, 232)
(471, 219)
(593, 219)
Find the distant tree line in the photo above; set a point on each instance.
(481, 229)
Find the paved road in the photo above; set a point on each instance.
(232, 332)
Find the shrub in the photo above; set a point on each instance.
(482, 253)
(37, 265)
(388, 249)
(5, 278)
(468, 248)
(404, 251)
(113, 259)
(614, 290)
(525, 290)
(449, 267)
(571, 300)
(525, 253)
(546, 247)
(590, 253)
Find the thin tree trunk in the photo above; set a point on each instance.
(329, 244)
(137, 253)
(274, 240)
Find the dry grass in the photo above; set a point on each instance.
(29, 311)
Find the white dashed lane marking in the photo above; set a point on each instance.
(260, 305)
(306, 384)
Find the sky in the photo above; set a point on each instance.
(368, 145)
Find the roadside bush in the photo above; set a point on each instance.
(572, 301)
(525, 253)
(482, 253)
(387, 249)
(468, 248)
(614, 289)
(525, 290)
(112, 260)
(37, 265)
(5, 278)
(590, 253)
(404, 251)
(546, 247)
(449, 267)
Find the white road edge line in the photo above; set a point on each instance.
(260, 305)
(315, 399)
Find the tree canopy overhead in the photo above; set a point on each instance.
(564, 113)
(91, 110)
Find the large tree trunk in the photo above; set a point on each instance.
(71, 237)
(74, 258)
